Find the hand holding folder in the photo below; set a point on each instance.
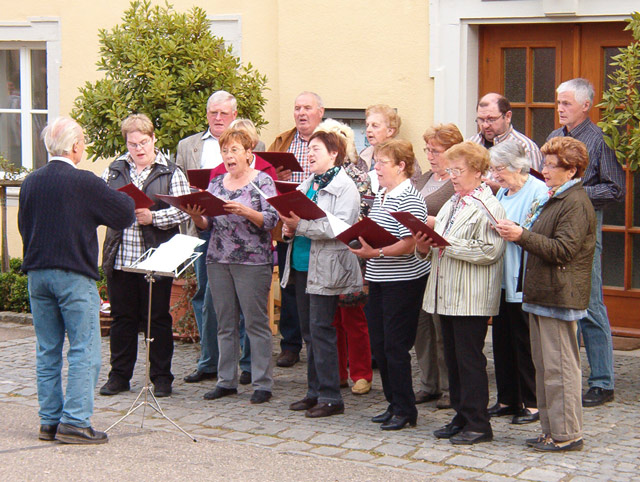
(212, 205)
(415, 226)
(140, 198)
(374, 234)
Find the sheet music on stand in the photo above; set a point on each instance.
(170, 258)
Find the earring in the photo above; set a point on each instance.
(399, 171)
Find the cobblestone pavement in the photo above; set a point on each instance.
(612, 435)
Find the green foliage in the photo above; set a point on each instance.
(621, 101)
(14, 295)
(11, 169)
(166, 65)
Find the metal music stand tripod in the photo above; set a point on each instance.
(147, 390)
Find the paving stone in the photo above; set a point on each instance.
(294, 446)
(327, 451)
(395, 449)
(297, 434)
(431, 455)
(263, 440)
(237, 436)
(505, 468)
(392, 461)
(468, 461)
(359, 456)
(542, 475)
(328, 439)
(494, 478)
(359, 443)
(424, 467)
(459, 474)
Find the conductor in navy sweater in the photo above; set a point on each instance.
(60, 208)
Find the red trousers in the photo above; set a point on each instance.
(354, 350)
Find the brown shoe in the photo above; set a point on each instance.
(444, 401)
(424, 397)
(304, 404)
(287, 359)
(325, 410)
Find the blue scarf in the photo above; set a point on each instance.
(538, 204)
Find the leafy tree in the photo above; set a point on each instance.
(164, 64)
(621, 101)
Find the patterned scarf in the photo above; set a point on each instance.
(322, 180)
(538, 204)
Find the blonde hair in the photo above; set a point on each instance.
(474, 155)
(397, 150)
(247, 126)
(137, 123)
(446, 135)
(332, 125)
(390, 115)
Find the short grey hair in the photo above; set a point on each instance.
(220, 96)
(60, 135)
(511, 155)
(315, 96)
(582, 90)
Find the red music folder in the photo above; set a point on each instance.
(374, 234)
(297, 202)
(415, 225)
(199, 178)
(284, 187)
(212, 205)
(536, 174)
(141, 199)
(286, 160)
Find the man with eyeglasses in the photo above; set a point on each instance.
(604, 182)
(493, 117)
(202, 151)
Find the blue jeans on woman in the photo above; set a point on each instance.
(65, 301)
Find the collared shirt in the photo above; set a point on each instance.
(300, 148)
(63, 159)
(132, 246)
(211, 156)
(530, 148)
(604, 179)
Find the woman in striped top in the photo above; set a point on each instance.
(396, 283)
(464, 288)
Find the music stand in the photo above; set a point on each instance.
(182, 256)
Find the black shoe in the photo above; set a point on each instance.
(114, 386)
(469, 438)
(304, 404)
(161, 389)
(597, 396)
(70, 434)
(448, 431)
(48, 432)
(525, 416)
(260, 396)
(424, 397)
(245, 378)
(287, 359)
(198, 376)
(550, 446)
(498, 411)
(325, 410)
(219, 392)
(398, 422)
(539, 439)
(383, 417)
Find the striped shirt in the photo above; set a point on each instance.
(406, 198)
(300, 148)
(132, 246)
(530, 148)
(604, 179)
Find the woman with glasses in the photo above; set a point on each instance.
(149, 170)
(465, 288)
(436, 188)
(239, 265)
(559, 236)
(515, 374)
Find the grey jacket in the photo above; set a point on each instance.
(333, 269)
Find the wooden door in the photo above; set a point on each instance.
(526, 63)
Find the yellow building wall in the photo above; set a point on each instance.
(353, 54)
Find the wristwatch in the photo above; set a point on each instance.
(380, 253)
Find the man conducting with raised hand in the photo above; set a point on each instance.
(60, 209)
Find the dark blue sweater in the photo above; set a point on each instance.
(60, 209)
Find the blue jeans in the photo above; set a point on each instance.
(289, 323)
(204, 312)
(595, 328)
(65, 301)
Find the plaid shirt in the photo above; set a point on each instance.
(604, 178)
(300, 148)
(530, 148)
(132, 246)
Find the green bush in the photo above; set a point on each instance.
(14, 294)
(166, 65)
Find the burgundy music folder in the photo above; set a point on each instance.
(284, 187)
(199, 178)
(141, 199)
(297, 202)
(286, 160)
(374, 234)
(536, 174)
(213, 206)
(415, 225)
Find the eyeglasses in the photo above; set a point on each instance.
(132, 146)
(233, 150)
(497, 169)
(548, 166)
(433, 152)
(488, 120)
(455, 172)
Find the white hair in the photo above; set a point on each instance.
(332, 125)
(220, 96)
(315, 96)
(511, 155)
(60, 135)
(581, 88)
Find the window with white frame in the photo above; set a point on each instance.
(24, 104)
